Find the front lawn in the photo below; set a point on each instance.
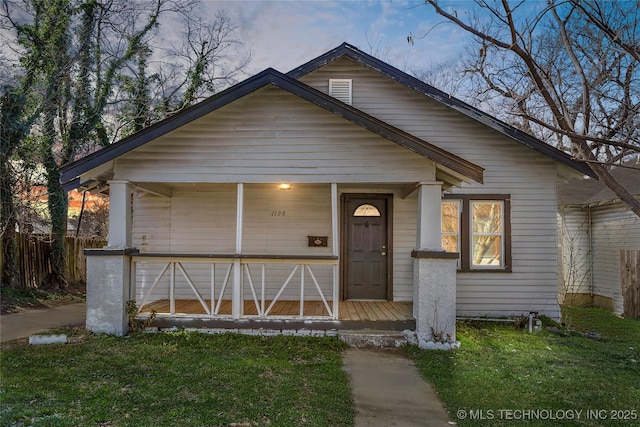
(500, 376)
(504, 376)
(187, 379)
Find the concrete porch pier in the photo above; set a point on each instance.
(108, 272)
(434, 297)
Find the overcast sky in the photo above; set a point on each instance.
(285, 33)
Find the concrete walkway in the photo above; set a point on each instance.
(388, 391)
(387, 388)
(23, 325)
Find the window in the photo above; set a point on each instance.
(487, 233)
(451, 226)
(366, 210)
(478, 227)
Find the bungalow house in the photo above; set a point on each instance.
(600, 244)
(342, 193)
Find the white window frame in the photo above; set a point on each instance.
(458, 231)
(473, 234)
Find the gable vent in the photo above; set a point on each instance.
(340, 89)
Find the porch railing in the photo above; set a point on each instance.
(244, 277)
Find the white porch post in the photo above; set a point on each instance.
(335, 248)
(429, 211)
(109, 269)
(119, 214)
(434, 282)
(236, 302)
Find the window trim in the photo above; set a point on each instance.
(458, 231)
(465, 244)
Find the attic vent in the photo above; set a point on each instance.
(340, 89)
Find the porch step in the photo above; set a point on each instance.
(388, 326)
(372, 338)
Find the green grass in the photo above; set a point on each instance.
(181, 378)
(500, 374)
(499, 368)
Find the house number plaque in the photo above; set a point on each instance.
(318, 241)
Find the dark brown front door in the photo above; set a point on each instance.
(367, 248)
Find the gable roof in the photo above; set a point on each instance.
(441, 97)
(70, 173)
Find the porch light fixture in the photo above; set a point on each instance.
(284, 186)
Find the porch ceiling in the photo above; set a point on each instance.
(167, 189)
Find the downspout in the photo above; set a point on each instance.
(590, 251)
(562, 225)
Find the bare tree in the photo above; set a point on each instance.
(79, 63)
(566, 71)
(207, 58)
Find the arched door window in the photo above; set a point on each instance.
(366, 210)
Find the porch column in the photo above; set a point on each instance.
(236, 295)
(335, 249)
(429, 235)
(434, 279)
(119, 214)
(109, 269)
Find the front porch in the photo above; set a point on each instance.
(256, 265)
(269, 292)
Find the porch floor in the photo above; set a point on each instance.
(363, 311)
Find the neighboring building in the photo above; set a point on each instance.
(384, 171)
(595, 226)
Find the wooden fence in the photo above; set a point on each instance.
(33, 255)
(630, 280)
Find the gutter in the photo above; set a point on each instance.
(590, 251)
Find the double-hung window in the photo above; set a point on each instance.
(478, 228)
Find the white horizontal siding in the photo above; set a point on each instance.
(151, 223)
(272, 136)
(530, 180)
(279, 221)
(204, 221)
(575, 250)
(405, 220)
(510, 168)
(614, 228)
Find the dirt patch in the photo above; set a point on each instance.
(21, 300)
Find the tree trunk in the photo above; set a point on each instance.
(605, 176)
(8, 228)
(10, 133)
(56, 198)
(57, 203)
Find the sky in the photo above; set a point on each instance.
(285, 34)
